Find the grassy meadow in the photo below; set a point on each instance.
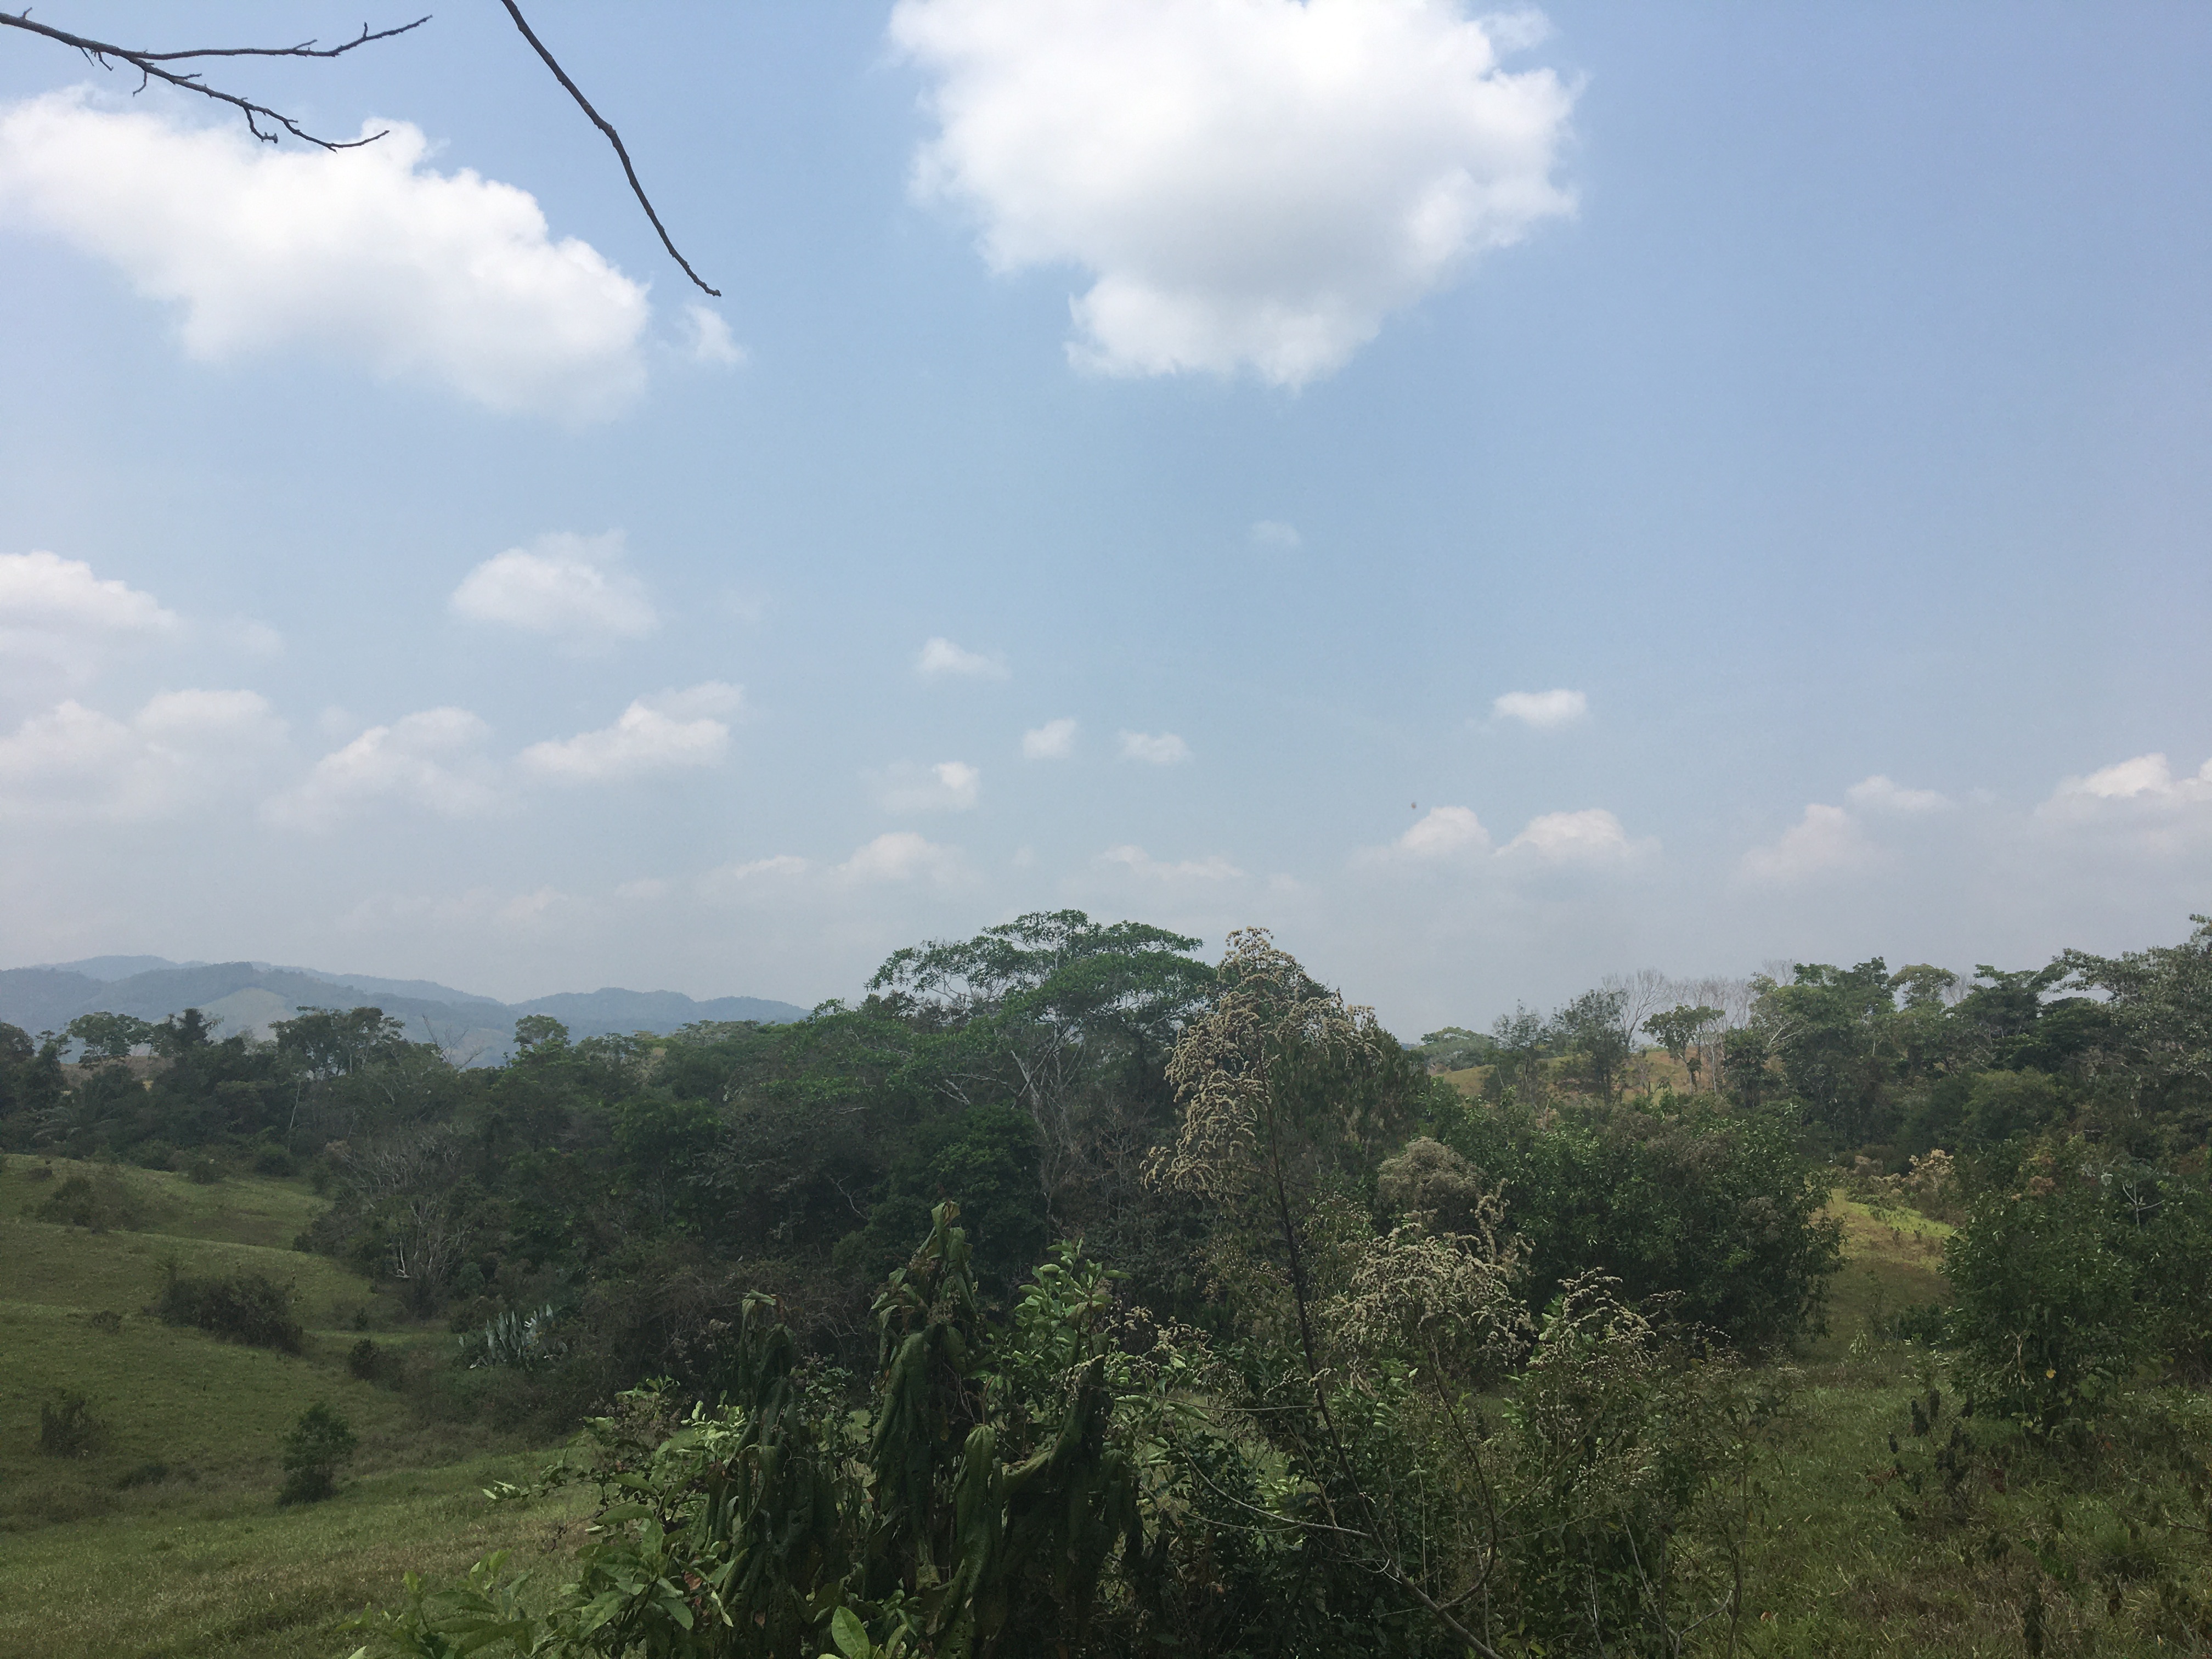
(2033, 1554)
(166, 1538)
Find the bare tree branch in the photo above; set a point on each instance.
(149, 66)
(613, 137)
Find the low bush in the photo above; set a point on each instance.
(101, 1203)
(367, 1363)
(241, 1307)
(315, 1447)
(145, 1474)
(1713, 1209)
(106, 1321)
(271, 1160)
(2078, 1274)
(66, 1427)
(203, 1171)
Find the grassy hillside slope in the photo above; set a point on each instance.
(166, 1538)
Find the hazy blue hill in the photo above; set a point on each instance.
(44, 998)
(251, 996)
(113, 968)
(606, 1012)
(421, 990)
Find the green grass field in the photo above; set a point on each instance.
(204, 1562)
(2040, 1538)
(96, 1558)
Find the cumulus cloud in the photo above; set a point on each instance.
(707, 338)
(671, 731)
(57, 616)
(1054, 740)
(1542, 711)
(1251, 183)
(2146, 779)
(1879, 795)
(901, 856)
(1593, 835)
(181, 749)
(1276, 537)
(939, 658)
(1826, 840)
(1444, 832)
(537, 912)
(572, 586)
(947, 786)
(1161, 748)
(432, 760)
(365, 255)
(1140, 863)
(1453, 839)
(754, 877)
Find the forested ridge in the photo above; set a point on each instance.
(1067, 1291)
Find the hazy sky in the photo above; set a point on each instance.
(1498, 501)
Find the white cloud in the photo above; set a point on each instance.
(1828, 839)
(1164, 749)
(181, 749)
(249, 636)
(1590, 837)
(365, 255)
(675, 730)
(947, 786)
(754, 877)
(1543, 711)
(901, 856)
(1452, 839)
(573, 586)
(1252, 184)
(1276, 536)
(2148, 780)
(1054, 740)
(708, 339)
(1140, 863)
(1444, 832)
(431, 760)
(55, 614)
(472, 909)
(1878, 794)
(940, 657)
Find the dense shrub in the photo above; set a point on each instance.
(66, 1427)
(271, 1159)
(1714, 1210)
(99, 1202)
(315, 1447)
(240, 1306)
(2075, 1275)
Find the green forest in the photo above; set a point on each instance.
(1072, 1293)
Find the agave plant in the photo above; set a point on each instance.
(515, 1339)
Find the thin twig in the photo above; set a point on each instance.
(613, 137)
(149, 66)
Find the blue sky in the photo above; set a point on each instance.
(1821, 395)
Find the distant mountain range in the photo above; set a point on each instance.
(252, 996)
